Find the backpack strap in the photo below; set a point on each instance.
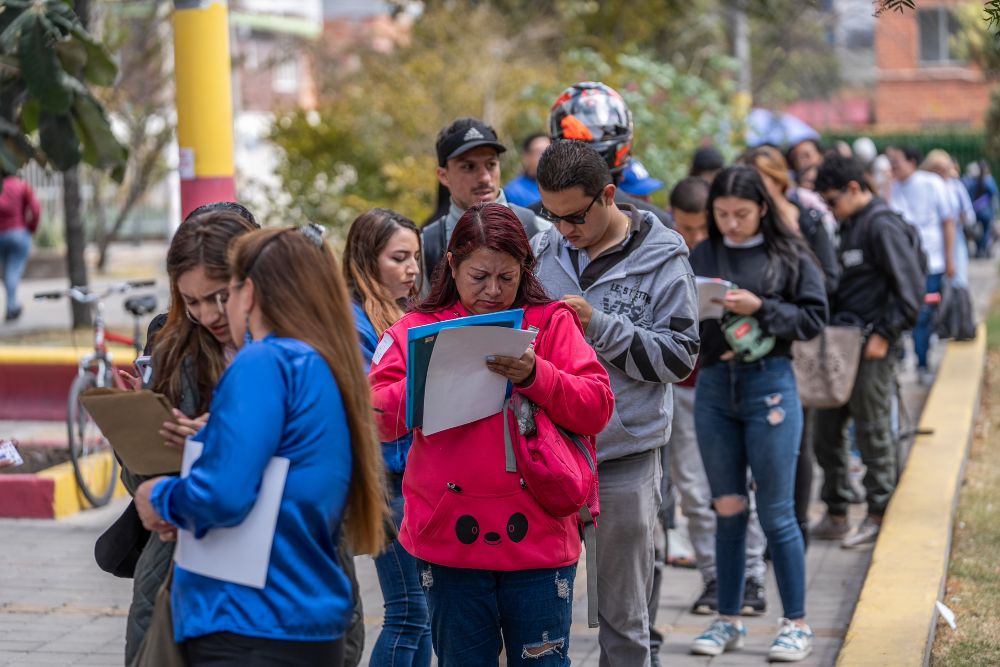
(508, 443)
(589, 529)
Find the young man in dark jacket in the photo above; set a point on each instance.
(468, 154)
(881, 291)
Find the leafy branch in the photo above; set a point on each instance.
(991, 11)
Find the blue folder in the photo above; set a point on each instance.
(420, 345)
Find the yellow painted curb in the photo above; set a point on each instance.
(894, 621)
(67, 499)
(69, 356)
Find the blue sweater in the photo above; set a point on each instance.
(277, 398)
(393, 453)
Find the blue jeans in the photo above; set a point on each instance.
(15, 245)
(925, 322)
(405, 640)
(751, 414)
(476, 612)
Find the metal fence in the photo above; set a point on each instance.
(148, 219)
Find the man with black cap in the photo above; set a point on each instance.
(468, 153)
(706, 163)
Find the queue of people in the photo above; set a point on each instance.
(268, 339)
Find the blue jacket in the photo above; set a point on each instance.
(522, 190)
(394, 453)
(277, 398)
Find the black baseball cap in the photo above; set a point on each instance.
(463, 135)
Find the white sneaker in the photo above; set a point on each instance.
(864, 537)
(793, 643)
(721, 636)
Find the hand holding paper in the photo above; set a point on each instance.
(519, 370)
(711, 295)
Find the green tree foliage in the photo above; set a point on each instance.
(47, 112)
(371, 143)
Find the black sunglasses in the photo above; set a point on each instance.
(573, 218)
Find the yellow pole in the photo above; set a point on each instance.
(204, 102)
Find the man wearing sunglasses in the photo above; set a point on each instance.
(628, 278)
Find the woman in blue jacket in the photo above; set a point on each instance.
(295, 390)
(381, 265)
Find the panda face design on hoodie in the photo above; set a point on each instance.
(467, 530)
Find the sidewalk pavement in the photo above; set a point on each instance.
(57, 608)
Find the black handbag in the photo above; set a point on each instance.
(118, 548)
(955, 318)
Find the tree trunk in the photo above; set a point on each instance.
(76, 243)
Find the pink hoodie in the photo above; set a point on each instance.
(462, 508)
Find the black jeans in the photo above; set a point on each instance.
(226, 649)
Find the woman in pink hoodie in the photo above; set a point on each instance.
(497, 568)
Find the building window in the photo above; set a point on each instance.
(285, 76)
(936, 29)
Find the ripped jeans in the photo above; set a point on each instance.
(476, 612)
(749, 414)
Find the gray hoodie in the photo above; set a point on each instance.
(644, 327)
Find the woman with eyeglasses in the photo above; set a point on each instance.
(382, 267)
(190, 347)
(296, 390)
(747, 409)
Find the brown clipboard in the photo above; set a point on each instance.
(131, 421)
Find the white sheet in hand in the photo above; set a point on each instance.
(239, 554)
(460, 388)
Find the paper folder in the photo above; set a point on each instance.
(131, 421)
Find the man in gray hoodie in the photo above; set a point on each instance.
(628, 278)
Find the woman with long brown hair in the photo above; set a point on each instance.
(190, 347)
(381, 266)
(295, 390)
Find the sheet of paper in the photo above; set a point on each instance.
(239, 554)
(711, 292)
(460, 389)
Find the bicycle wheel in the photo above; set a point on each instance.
(95, 478)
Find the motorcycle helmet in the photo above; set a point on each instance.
(593, 112)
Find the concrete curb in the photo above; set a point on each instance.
(35, 380)
(51, 493)
(895, 618)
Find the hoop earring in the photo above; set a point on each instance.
(191, 317)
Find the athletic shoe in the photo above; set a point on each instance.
(721, 636)
(708, 602)
(828, 529)
(792, 644)
(864, 537)
(754, 600)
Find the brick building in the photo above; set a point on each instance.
(920, 82)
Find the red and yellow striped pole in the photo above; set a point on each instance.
(204, 102)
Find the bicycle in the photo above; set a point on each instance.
(96, 483)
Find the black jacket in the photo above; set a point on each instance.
(882, 279)
(793, 308)
(813, 231)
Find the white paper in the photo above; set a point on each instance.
(239, 554)
(710, 292)
(947, 614)
(460, 388)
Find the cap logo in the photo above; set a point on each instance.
(472, 134)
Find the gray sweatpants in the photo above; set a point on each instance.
(630, 498)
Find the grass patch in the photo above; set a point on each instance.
(973, 586)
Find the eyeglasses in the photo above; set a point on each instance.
(573, 218)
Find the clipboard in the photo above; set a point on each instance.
(131, 422)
